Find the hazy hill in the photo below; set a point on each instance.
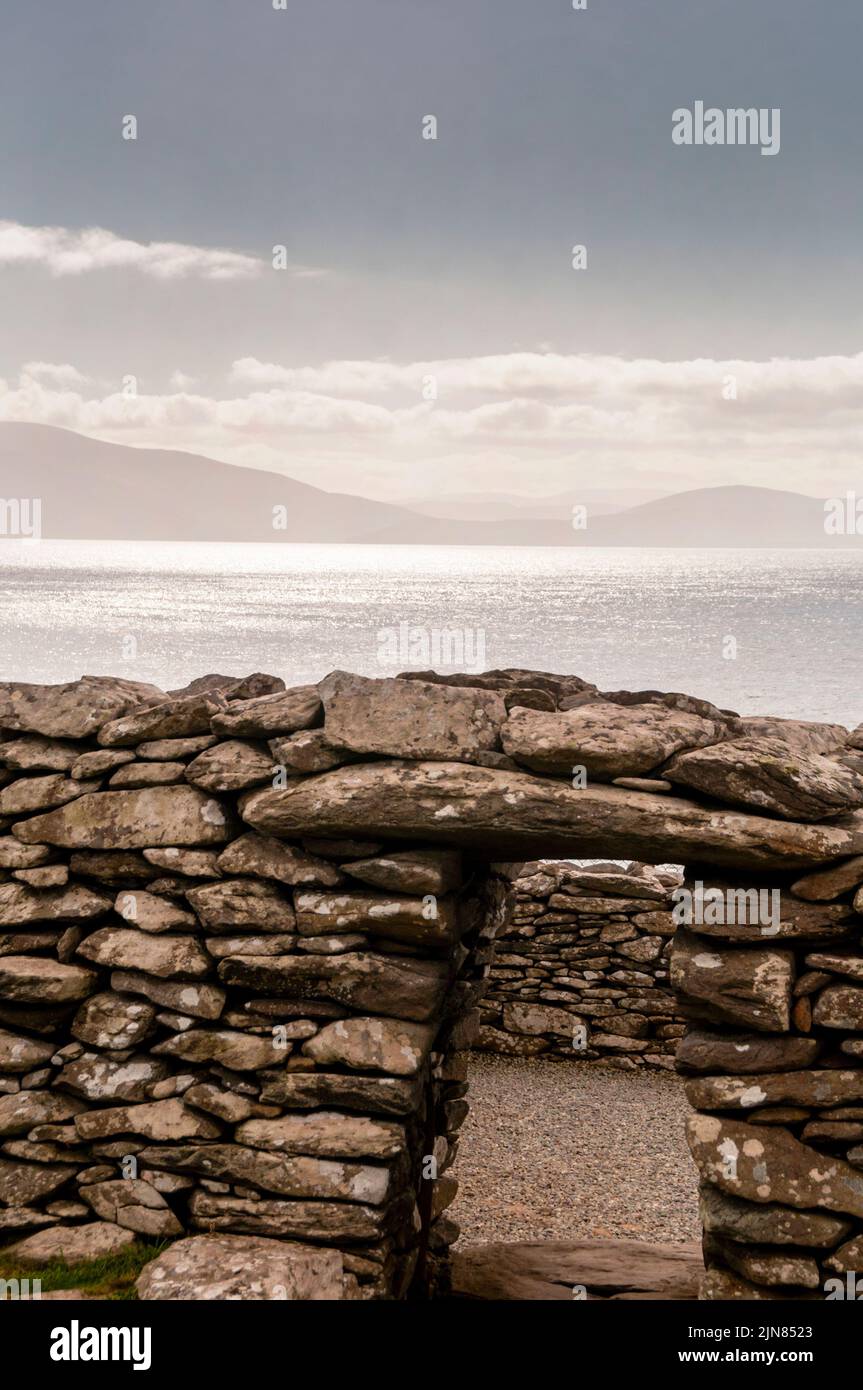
(92, 490)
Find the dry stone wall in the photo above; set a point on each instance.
(244, 934)
(581, 970)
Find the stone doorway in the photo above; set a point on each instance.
(281, 906)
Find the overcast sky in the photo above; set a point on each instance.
(416, 266)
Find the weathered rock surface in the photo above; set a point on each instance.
(223, 1267)
(180, 718)
(325, 1135)
(237, 1051)
(29, 794)
(165, 1120)
(410, 720)
(265, 857)
(839, 1006)
(74, 710)
(749, 986)
(410, 871)
(164, 956)
(21, 1112)
(130, 820)
(150, 913)
(192, 863)
(147, 775)
(281, 713)
(19, 1054)
(419, 921)
(33, 753)
(607, 740)
(23, 1183)
(394, 985)
(134, 1205)
(762, 1164)
(515, 815)
(825, 885)
(35, 979)
(231, 767)
(380, 1095)
(74, 1244)
(550, 1270)
(291, 1220)
(238, 904)
(809, 1088)
(291, 1177)
(112, 1021)
(745, 1052)
(770, 775)
(199, 1000)
(767, 1224)
(20, 905)
(14, 855)
(372, 1044)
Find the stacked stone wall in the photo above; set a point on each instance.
(581, 971)
(244, 934)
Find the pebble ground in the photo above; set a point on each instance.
(556, 1151)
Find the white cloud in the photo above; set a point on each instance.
(181, 382)
(533, 422)
(65, 252)
(62, 373)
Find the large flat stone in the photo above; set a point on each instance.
(372, 1044)
(607, 740)
(806, 1088)
(763, 1164)
(396, 986)
(381, 1095)
(229, 1267)
(418, 921)
(550, 1270)
(770, 775)
(41, 980)
(288, 1176)
(20, 904)
(264, 857)
(147, 818)
(74, 710)
(164, 1120)
(179, 718)
(745, 1052)
(93, 1241)
(292, 1220)
(242, 905)
(167, 957)
(282, 713)
(767, 1223)
(187, 997)
(324, 1134)
(410, 719)
(749, 986)
(514, 815)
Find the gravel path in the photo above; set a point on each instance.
(554, 1151)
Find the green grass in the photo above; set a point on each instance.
(112, 1276)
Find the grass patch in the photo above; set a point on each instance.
(111, 1276)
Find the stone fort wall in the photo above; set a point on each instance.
(581, 970)
(245, 933)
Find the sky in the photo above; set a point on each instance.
(424, 330)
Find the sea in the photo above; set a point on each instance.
(757, 631)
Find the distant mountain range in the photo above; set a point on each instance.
(91, 490)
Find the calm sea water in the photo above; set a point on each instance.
(622, 618)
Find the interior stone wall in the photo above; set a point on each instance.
(581, 971)
(244, 933)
